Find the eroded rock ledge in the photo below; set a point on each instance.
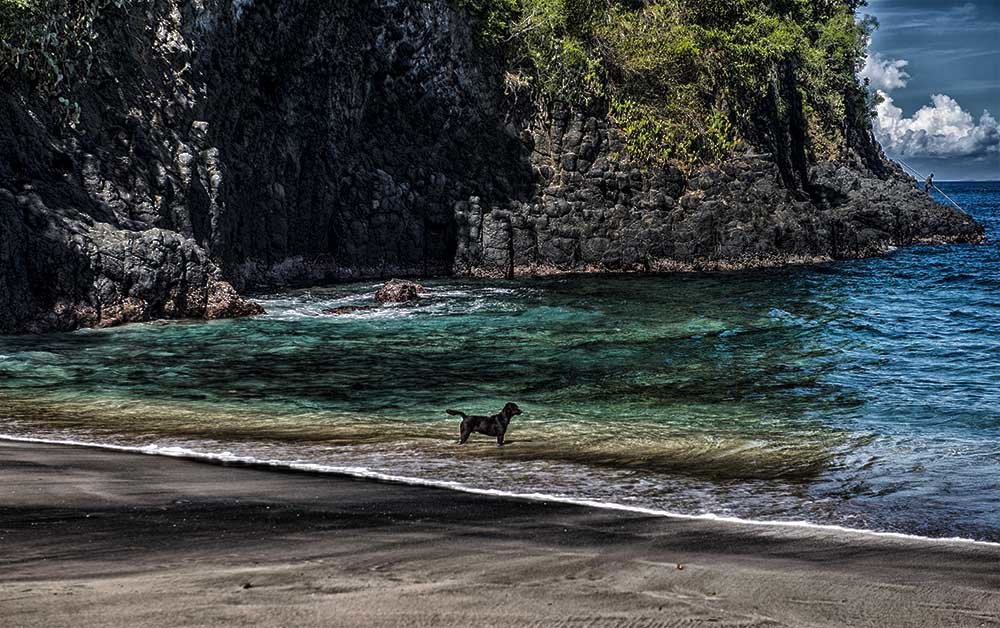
(592, 210)
(226, 145)
(62, 273)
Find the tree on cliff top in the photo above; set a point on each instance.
(686, 79)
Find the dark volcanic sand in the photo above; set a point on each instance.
(99, 538)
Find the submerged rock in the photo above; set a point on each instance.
(393, 291)
(349, 309)
(398, 291)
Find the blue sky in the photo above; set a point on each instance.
(938, 64)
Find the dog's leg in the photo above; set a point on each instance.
(465, 432)
(500, 438)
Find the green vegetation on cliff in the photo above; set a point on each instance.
(50, 44)
(687, 80)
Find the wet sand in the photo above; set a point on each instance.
(92, 537)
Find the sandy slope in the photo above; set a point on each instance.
(96, 538)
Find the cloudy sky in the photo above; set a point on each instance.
(938, 66)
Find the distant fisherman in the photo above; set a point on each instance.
(929, 183)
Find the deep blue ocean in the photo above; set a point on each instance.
(857, 393)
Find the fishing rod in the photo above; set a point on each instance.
(920, 176)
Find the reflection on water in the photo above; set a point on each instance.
(859, 393)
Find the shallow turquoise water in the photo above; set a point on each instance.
(858, 393)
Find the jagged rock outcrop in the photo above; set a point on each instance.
(69, 260)
(592, 209)
(61, 273)
(242, 143)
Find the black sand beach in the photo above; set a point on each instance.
(99, 538)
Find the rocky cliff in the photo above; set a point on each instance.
(222, 143)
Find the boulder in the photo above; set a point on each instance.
(397, 291)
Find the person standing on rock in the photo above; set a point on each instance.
(929, 183)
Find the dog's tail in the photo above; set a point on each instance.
(457, 413)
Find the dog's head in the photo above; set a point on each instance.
(511, 410)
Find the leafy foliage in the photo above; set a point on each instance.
(50, 44)
(685, 79)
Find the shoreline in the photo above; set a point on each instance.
(253, 287)
(100, 538)
(358, 473)
(315, 274)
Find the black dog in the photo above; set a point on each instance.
(495, 425)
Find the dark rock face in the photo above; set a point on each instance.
(398, 291)
(594, 210)
(243, 143)
(69, 261)
(61, 273)
(343, 133)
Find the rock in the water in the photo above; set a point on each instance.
(398, 291)
(224, 302)
(394, 291)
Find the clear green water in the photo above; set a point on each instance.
(860, 393)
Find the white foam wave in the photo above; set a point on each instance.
(474, 291)
(366, 473)
(428, 306)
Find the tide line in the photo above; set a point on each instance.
(368, 474)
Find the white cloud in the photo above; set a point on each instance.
(941, 129)
(885, 74)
